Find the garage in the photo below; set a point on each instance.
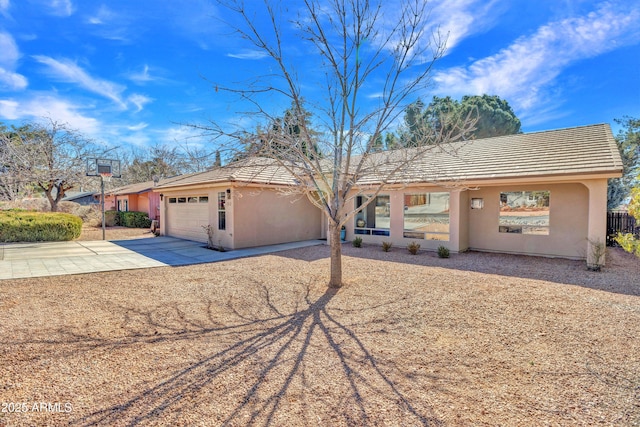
(187, 215)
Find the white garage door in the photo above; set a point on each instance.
(186, 215)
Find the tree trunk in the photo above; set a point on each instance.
(336, 256)
(52, 202)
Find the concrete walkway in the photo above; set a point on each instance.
(21, 260)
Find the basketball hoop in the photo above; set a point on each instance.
(105, 169)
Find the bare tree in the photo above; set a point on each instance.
(165, 160)
(48, 156)
(12, 186)
(363, 47)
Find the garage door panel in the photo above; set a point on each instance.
(186, 220)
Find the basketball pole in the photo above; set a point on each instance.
(104, 228)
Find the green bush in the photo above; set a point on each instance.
(386, 246)
(19, 226)
(443, 251)
(357, 242)
(413, 248)
(133, 219)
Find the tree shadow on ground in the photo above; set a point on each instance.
(618, 276)
(271, 359)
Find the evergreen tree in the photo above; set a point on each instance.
(628, 140)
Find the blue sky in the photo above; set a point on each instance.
(128, 72)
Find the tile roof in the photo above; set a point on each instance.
(73, 195)
(141, 187)
(258, 170)
(572, 151)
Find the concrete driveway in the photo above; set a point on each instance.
(22, 260)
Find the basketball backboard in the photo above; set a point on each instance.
(97, 166)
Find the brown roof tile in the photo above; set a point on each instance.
(572, 151)
(141, 187)
(257, 170)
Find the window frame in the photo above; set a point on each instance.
(511, 223)
(429, 197)
(222, 210)
(372, 209)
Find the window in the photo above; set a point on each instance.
(375, 218)
(203, 199)
(192, 200)
(182, 200)
(426, 216)
(222, 214)
(477, 203)
(524, 212)
(123, 205)
(172, 199)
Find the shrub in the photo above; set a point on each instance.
(38, 226)
(413, 248)
(92, 217)
(69, 207)
(110, 218)
(443, 252)
(133, 219)
(210, 239)
(595, 259)
(629, 243)
(386, 246)
(357, 242)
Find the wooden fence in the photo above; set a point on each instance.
(620, 222)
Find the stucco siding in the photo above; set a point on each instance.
(265, 217)
(568, 222)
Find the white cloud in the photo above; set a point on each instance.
(70, 72)
(458, 19)
(447, 21)
(138, 127)
(9, 79)
(138, 139)
(110, 25)
(46, 106)
(102, 16)
(4, 6)
(61, 8)
(197, 22)
(148, 75)
(524, 72)
(9, 49)
(12, 81)
(142, 76)
(183, 135)
(139, 101)
(248, 54)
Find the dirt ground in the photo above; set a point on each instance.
(114, 233)
(476, 339)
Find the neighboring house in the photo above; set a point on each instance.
(136, 197)
(82, 197)
(542, 193)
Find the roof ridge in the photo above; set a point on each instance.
(542, 131)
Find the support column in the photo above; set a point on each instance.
(458, 220)
(597, 221)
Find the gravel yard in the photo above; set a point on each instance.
(477, 339)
